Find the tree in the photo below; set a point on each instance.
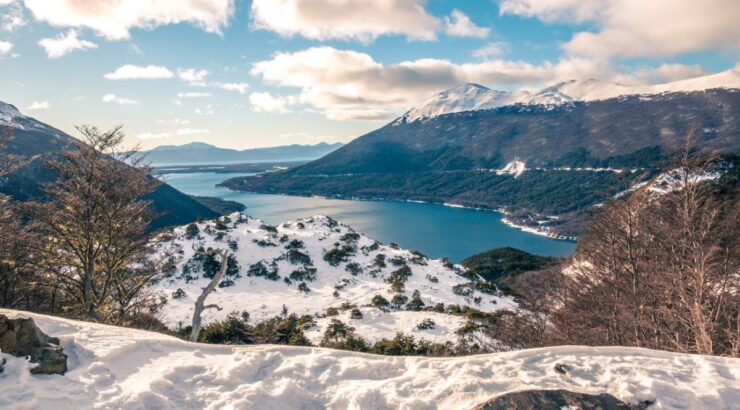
(200, 302)
(95, 224)
(660, 269)
(19, 287)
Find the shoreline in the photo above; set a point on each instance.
(505, 220)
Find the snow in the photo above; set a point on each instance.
(264, 298)
(471, 97)
(376, 324)
(111, 367)
(514, 168)
(8, 113)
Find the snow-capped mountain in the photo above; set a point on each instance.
(309, 266)
(471, 97)
(120, 368)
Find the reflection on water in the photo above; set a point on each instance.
(434, 230)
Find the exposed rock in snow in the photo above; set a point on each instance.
(308, 266)
(470, 97)
(112, 367)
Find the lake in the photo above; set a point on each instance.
(435, 230)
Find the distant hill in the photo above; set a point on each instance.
(547, 164)
(199, 152)
(32, 138)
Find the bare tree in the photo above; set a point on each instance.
(200, 302)
(660, 269)
(95, 222)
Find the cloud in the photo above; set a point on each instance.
(344, 84)
(192, 75)
(266, 102)
(666, 73)
(492, 49)
(174, 121)
(153, 136)
(194, 95)
(207, 110)
(458, 24)
(12, 16)
(5, 48)
(638, 28)
(345, 19)
(190, 131)
(113, 19)
(65, 43)
(132, 72)
(112, 98)
(241, 88)
(39, 105)
(182, 132)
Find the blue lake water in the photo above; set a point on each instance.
(435, 230)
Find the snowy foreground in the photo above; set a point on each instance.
(111, 367)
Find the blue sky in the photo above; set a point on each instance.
(272, 72)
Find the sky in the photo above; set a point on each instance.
(244, 74)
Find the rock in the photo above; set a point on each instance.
(21, 338)
(556, 400)
(2, 365)
(561, 368)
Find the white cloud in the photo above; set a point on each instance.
(241, 88)
(666, 73)
(114, 18)
(266, 102)
(65, 43)
(174, 121)
(190, 131)
(182, 132)
(194, 95)
(492, 49)
(207, 110)
(153, 136)
(112, 98)
(636, 28)
(345, 19)
(458, 24)
(39, 105)
(5, 48)
(192, 75)
(345, 84)
(132, 72)
(12, 16)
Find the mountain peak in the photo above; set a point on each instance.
(472, 97)
(8, 112)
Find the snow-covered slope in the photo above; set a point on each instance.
(119, 368)
(470, 97)
(337, 266)
(10, 116)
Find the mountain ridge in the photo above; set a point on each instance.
(201, 152)
(31, 138)
(471, 96)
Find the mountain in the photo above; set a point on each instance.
(471, 97)
(548, 165)
(121, 368)
(313, 266)
(199, 152)
(34, 139)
